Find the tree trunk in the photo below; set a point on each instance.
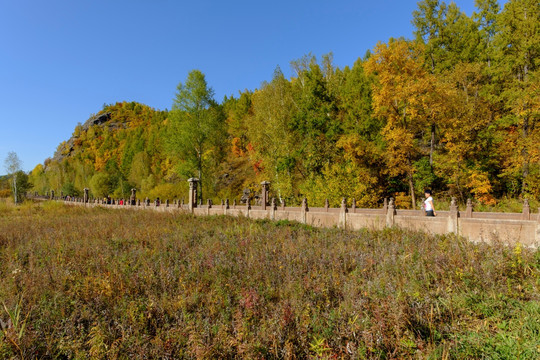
(200, 184)
(411, 189)
(15, 188)
(525, 155)
(432, 145)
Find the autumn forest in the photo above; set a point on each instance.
(456, 109)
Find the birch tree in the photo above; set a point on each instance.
(12, 164)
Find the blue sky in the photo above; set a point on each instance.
(61, 60)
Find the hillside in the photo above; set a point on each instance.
(119, 148)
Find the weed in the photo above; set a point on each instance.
(104, 283)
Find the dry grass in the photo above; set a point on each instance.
(98, 283)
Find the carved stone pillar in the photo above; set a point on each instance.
(469, 211)
(193, 183)
(526, 210)
(452, 225)
(265, 188)
(342, 222)
(390, 212)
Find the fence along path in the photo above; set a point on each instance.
(509, 228)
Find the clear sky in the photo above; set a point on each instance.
(61, 60)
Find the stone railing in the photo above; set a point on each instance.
(509, 228)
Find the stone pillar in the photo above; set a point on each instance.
(85, 195)
(133, 197)
(390, 212)
(248, 207)
(265, 185)
(385, 205)
(326, 205)
(353, 205)
(193, 183)
(304, 210)
(469, 211)
(227, 207)
(342, 222)
(273, 208)
(526, 215)
(452, 224)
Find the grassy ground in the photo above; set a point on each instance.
(98, 283)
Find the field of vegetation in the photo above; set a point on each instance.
(99, 283)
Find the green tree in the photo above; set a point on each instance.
(518, 61)
(196, 126)
(101, 185)
(13, 164)
(450, 35)
(270, 135)
(486, 20)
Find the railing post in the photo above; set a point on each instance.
(133, 197)
(192, 193)
(342, 223)
(85, 195)
(265, 187)
(273, 208)
(526, 215)
(385, 205)
(469, 211)
(452, 225)
(390, 212)
(304, 211)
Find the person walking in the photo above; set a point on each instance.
(428, 204)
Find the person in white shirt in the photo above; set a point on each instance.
(428, 204)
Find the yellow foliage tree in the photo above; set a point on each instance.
(405, 94)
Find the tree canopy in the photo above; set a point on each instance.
(455, 109)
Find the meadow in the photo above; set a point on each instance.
(80, 283)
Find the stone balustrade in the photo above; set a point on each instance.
(509, 228)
